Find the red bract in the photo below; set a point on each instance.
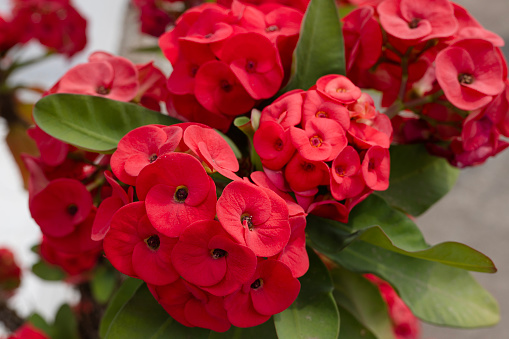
(470, 28)
(135, 248)
(255, 217)
(418, 20)
(255, 62)
(142, 146)
(27, 331)
(104, 75)
(60, 206)
(470, 73)
(338, 88)
(191, 306)
(273, 144)
(152, 88)
(210, 147)
(210, 26)
(315, 106)
(208, 257)
(177, 192)
(286, 110)
(53, 151)
(271, 290)
(304, 175)
(10, 273)
(346, 179)
(376, 168)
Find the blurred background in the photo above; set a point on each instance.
(475, 212)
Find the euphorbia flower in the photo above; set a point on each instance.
(28, 331)
(218, 90)
(346, 177)
(286, 110)
(304, 175)
(419, 20)
(142, 146)
(321, 140)
(53, 151)
(338, 88)
(60, 206)
(364, 136)
(316, 106)
(208, 257)
(210, 147)
(376, 168)
(271, 290)
(177, 192)
(255, 217)
(470, 73)
(255, 62)
(211, 26)
(135, 248)
(273, 144)
(191, 306)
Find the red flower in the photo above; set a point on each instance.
(53, 151)
(470, 72)
(272, 289)
(304, 175)
(208, 257)
(338, 88)
(419, 20)
(364, 136)
(27, 331)
(255, 62)
(255, 217)
(177, 192)
(135, 248)
(376, 168)
(346, 177)
(286, 110)
(273, 144)
(142, 146)
(10, 273)
(316, 106)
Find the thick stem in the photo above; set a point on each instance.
(89, 317)
(11, 320)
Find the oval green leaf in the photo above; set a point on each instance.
(48, 272)
(264, 331)
(92, 123)
(320, 50)
(314, 314)
(418, 179)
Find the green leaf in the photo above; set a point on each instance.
(91, 122)
(351, 328)
(103, 283)
(436, 293)
(418, 179)
(362, 300)
(48, 272)
(320, 49)
(37, 321)
(65, 325)
(142, 317)
(314, 313)
(263, 331)
(122, 296)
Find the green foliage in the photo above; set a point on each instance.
(48, 272)
(418, 179)
(103, 283)
(263, 331)
(320, 49)
(91, 122)
(314, 313)
(65, 325)
(362, 301)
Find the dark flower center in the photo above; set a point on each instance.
(321, 114)
(271, 28)
(226, 86)
(278, 145)
(315, 141)
(218, 253)
(257, 284)
(181, 193)
(250, 66)
(72, 209)
(193, 70)
(208, 36)
(307, 166)
(153, 242)
(371, 164)
(465, 78)
(340, 171)
(414, 23)
(102, 90)
(247, 220)
(152, 158)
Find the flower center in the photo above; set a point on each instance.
(153, 242)
(193, 70)
(72, 209)
(181, 194)
(225, 86)
(271, 28)
(257, 284)
(341, 90)
(371, 164)
(315, 141)
(208, 36)
(414, 23)
(307, 167)
(152, 158)
(321, 114)
(250, 66)
(102, 90)
(278, 145)
(247, 221)
(218, 253)
(340, 171)
(465, 78)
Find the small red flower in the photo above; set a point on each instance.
(376, 168)
(346, 177)
(273, 144)
(304, 175)
(338, 88)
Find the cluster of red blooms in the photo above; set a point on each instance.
(10, 273)
(238, 268)
(54, 23)
(227, 59)
(404, 323)
(67, 184)
(326, 145)
(27, 331)
(441, 66)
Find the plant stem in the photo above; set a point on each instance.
(9, 317)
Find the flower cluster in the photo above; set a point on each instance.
(225, 60)
(54, 23)
(238, 268)
(440, 67)
(10, 273)
(327, 145)
(28, 331)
